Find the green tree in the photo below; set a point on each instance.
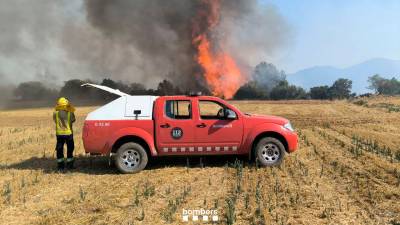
(115, 85)
(285, 91)
(34, 90)
(375, 82)
(320, 92)
(166, 87)
(250, 90)
(341, 89)
(264, 78)
(267, 76)
(391, 87)
(384, 86)
(73, 90)
(137, 89)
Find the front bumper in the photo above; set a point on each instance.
(292, 140)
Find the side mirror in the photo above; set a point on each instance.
(230, 114)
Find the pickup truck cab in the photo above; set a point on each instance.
(135, 128)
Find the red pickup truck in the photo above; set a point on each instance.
(133, 128)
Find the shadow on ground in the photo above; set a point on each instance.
(102, 165)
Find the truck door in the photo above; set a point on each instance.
(174, 126)
(214, 131)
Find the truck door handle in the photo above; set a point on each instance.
(202, 125)
(165, 125)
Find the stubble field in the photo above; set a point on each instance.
(346, 171)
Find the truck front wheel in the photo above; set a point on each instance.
(269, 151)
(131, 158)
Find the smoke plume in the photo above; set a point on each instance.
(138, 41)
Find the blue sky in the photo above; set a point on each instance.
(338, 32)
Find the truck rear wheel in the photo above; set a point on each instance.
(131, 158)
(269, 151)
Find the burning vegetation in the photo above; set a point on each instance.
(199, 45)
(219, 69)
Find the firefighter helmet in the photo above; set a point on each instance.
(62, 102)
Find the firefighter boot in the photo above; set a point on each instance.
(60, 166)
(70, 164)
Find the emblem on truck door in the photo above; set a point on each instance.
(176, 133)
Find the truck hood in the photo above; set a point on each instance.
(266, 119)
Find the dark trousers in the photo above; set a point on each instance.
(61, 140)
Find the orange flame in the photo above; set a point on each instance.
(221, 73)
(220, 70)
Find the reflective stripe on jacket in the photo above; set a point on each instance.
(63, 127)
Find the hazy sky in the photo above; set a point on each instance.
(339, 32)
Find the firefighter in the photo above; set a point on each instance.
(64, 117)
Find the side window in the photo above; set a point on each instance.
(211, 110)
(178, 109)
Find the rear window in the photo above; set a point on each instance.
(178, 109)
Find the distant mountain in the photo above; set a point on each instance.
(326, 75)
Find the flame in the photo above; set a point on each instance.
(220, 70)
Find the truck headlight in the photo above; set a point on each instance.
(289, 126)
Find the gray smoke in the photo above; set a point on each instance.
(134, 41)
(31, 45)
(255, 34)
(267, 75)
(159, 33)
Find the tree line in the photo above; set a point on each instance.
(35, 90)
(384, 86)
(340, 89)
(266, 82)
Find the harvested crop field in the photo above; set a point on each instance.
(346, 171)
